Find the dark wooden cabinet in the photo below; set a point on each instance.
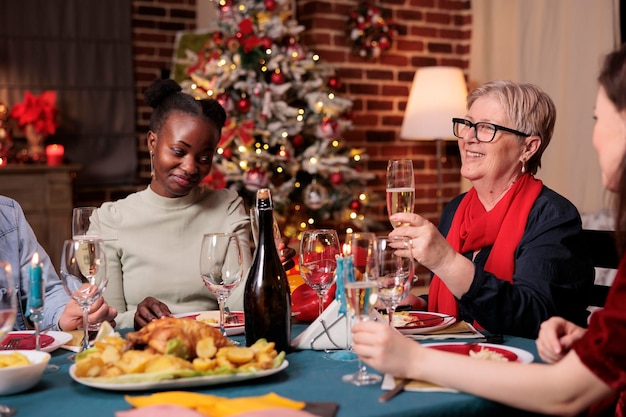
(45, 194)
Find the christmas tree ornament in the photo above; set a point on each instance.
(315, 196)
(334, 82)
(297, 140)
(244, 104)
(356, 205)
(329, 128)
(255, 178)
(227, 153)
(270, 5)
(336, 178)
(277, 77)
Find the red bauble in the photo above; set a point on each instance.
(227, 153)
(266, 41)
(328, 128)
(297, 140)
(277, 78)
(244, 105)
(218, 37)
(355, 205)
(305, 302)
(334, 82)
(270, 5)
(336, 178)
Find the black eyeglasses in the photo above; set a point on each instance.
(485, 132)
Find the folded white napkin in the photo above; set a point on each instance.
(328, 331)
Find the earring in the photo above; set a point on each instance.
(151, 164)
(523, 166)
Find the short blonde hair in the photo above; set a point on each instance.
(529, 108)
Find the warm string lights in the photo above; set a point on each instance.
(286, 116)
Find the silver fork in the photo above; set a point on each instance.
(14, 342)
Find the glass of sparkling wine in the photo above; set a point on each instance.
(361, 295)
(400, 187)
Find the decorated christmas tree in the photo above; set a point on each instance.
(286, 116)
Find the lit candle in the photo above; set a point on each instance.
(54, 154)
(35, 293)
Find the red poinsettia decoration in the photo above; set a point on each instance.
(39, 111)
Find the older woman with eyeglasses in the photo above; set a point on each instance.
(508, 254)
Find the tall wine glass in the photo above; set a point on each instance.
(318, 250)
(85, 222)
(221, 267)
(8, 310)
(400, 187)
(361, 295)
(83, 273)
(395, 270)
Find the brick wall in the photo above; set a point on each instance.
(430, 32)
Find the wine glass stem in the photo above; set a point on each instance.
(85, 327)
(390, 311)
(320, 297)
(220, 303)
(37, 336)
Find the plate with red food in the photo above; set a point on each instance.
(233, 327)
(486, 351)
(419, 322)
(49, 341)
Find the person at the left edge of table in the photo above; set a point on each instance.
(18, 246)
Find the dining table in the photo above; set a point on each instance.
(312, 376)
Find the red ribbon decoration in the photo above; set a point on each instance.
(242, 130)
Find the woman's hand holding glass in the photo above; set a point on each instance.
(83, 274)
(221, 267)
(318, 262)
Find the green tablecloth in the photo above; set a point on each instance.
(311, 376)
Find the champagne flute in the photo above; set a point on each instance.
(8, 310)
(85, 223)
(318, 250)
(395, 270)
(221, 267)
(361, 296)
(83, 274)
(400, 187)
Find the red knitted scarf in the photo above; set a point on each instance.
(474, 228)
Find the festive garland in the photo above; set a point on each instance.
(369, 32)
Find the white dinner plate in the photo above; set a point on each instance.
(419, 322)
(212, 317)
(511, 353)
(50, 340)
(189, 382)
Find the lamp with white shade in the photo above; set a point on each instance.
(437, 95)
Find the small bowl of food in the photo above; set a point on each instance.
(21, 369)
